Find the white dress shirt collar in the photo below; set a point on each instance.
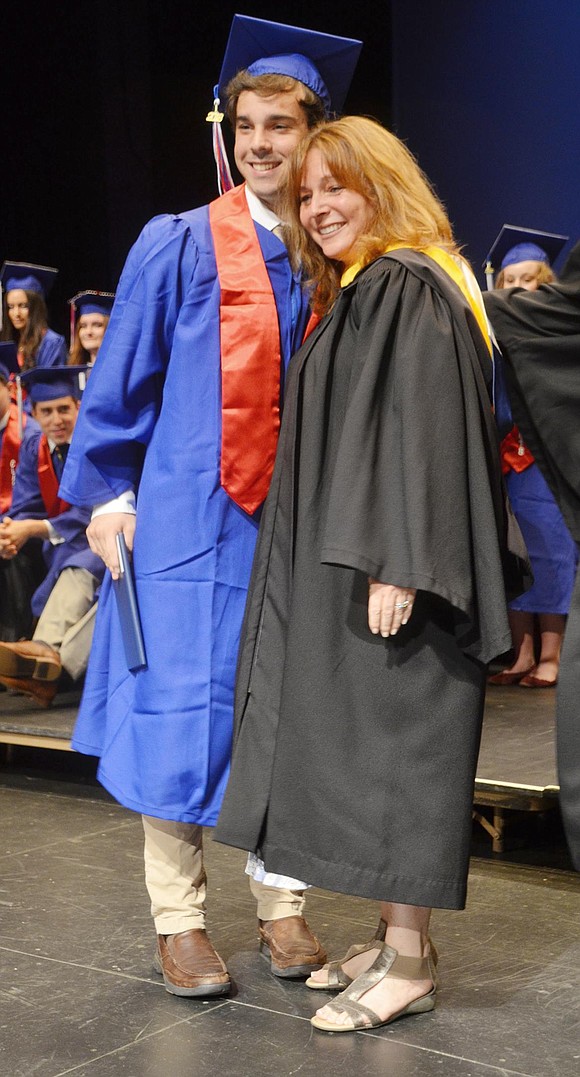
(261, 213)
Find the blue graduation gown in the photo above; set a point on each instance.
(71, 525)
(551, 548)
(151, 419)
(52, 350)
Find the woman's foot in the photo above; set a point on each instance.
(393, 987)
(510, 676)
(350, 967)
(544, 675)
(336, 975)
(353, 964)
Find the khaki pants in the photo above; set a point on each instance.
(176, 880)
(68, 619)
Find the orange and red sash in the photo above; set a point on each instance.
(48, 482)
(9, 457)
(250, 353)
(514, 454)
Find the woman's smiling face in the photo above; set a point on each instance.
(334, 216)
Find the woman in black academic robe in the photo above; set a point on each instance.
(378, 592)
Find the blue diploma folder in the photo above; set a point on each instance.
(128, 609)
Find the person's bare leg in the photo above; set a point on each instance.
(408, 933)
(552, 627)
(522, 628)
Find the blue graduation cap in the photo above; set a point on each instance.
(29, 277)
(515, 244)
(89, 302)
(323, 62)
(92, 302)
(52, 382)
(8, 359)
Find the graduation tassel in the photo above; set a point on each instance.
(489, 276)
(19, 406)
(224, 175)
(72, 324)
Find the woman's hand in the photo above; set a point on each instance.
(102, 535)
(389, 607)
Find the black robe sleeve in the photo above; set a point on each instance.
(539, 336)
(416, 498)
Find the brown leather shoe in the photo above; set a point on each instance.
(190, 966)
(293, 950)
(29, 658)
(41, 692)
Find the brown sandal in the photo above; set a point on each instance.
(388, 963)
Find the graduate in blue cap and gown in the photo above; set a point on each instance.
(25, 289)
(525, 257)
(89, 317)
(179, 423)
(38, 515)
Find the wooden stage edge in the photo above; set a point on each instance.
(516, 769)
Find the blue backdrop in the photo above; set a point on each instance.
(487, 95)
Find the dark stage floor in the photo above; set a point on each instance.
(79, 995)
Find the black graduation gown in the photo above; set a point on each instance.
(539, 336)
(355, 755)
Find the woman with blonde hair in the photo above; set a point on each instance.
(378, 592)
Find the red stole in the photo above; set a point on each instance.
(9, 457)
(514, 455)
(250, 353)
(48, 481)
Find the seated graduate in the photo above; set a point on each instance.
(90, 314)
(15, 612)
(25, 317)
(537, 618)
(65, 599)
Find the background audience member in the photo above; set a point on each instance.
(539, 334)
(537, 618)
(90, 313)
(25, 318)
(15, 611)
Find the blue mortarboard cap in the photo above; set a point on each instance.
(92, 302)
(515, 244)
(29, 277)
(53, 382)
(8, 359)
(323, 62)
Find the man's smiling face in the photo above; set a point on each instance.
(267, 130)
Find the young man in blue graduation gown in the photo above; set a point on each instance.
(65, 596)
(180, 418)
